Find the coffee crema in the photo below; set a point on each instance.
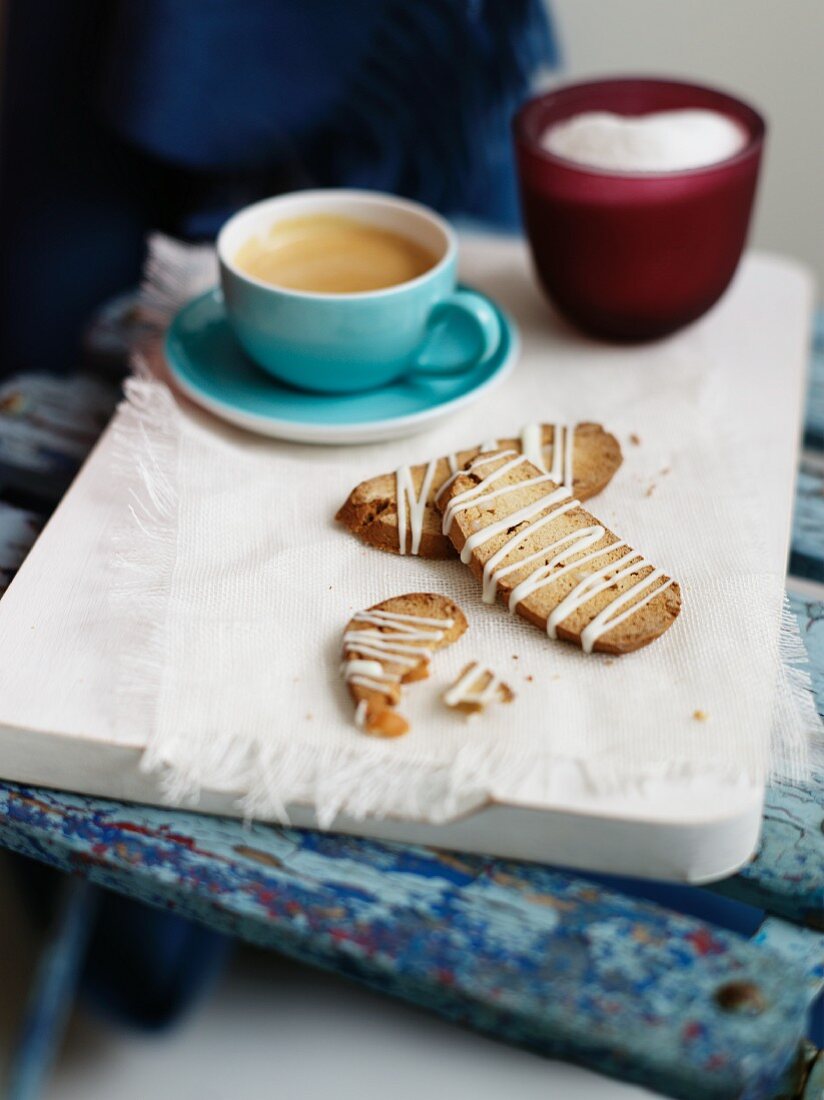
(332, 254)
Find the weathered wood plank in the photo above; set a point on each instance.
(531, 955)
(18, 530)
(801, 946)
(786, 877)
(814, 435)
(53, 991)
(47, 427)
(807, 557)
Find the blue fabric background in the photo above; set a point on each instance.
(119, 117)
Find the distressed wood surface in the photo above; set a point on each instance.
(803, 947)
(532, 955)
(814, 434)
(19, 527)
(47, 427)
(786, 877)
(53, 992)
(807, 557)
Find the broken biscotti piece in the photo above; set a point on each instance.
(532, 544)
(584, 458)
(392, 644)
(475, 688)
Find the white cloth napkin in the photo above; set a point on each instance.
(241, 583)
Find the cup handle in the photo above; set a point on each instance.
(462, 331)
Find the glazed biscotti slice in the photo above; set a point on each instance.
(534, 547)
(584, 458)
(392, 644)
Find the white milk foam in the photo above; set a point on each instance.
(663, 141)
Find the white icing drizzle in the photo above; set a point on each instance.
(380, 618)
(473, 494)
(605, 620)
(478, 538)
(544, 575)
(566, 546)
(462, 505)
(536, 515)
(416, 505)
(374, 685)
(360, 714)
(569, 452)
(412, 506)
(357, 667)
(597, 582)
(532, 444)
(560, 469)
(478, 462)
(368, 674)
(393, 643)
(461, 692)
(358, 639)
(452, 477)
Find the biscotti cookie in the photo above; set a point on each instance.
(392, 644)
(531, 544)
(475, 688)
(583, 458)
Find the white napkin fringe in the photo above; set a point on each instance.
(146, 435)
(798, 733)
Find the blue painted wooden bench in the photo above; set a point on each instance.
(537, 956)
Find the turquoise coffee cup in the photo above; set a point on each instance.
(343, 343)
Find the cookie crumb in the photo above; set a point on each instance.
(609, 660)
(666, 470)
(515, 657)
(474, 689)
(700, 715)
(635, 439)
(529, 679)
(650, 490)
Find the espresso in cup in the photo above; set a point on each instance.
(332, 254)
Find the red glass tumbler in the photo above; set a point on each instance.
(633, 256)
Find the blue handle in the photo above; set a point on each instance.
(463, 331)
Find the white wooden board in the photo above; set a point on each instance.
(57, 723)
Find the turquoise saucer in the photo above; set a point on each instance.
(210, 367)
